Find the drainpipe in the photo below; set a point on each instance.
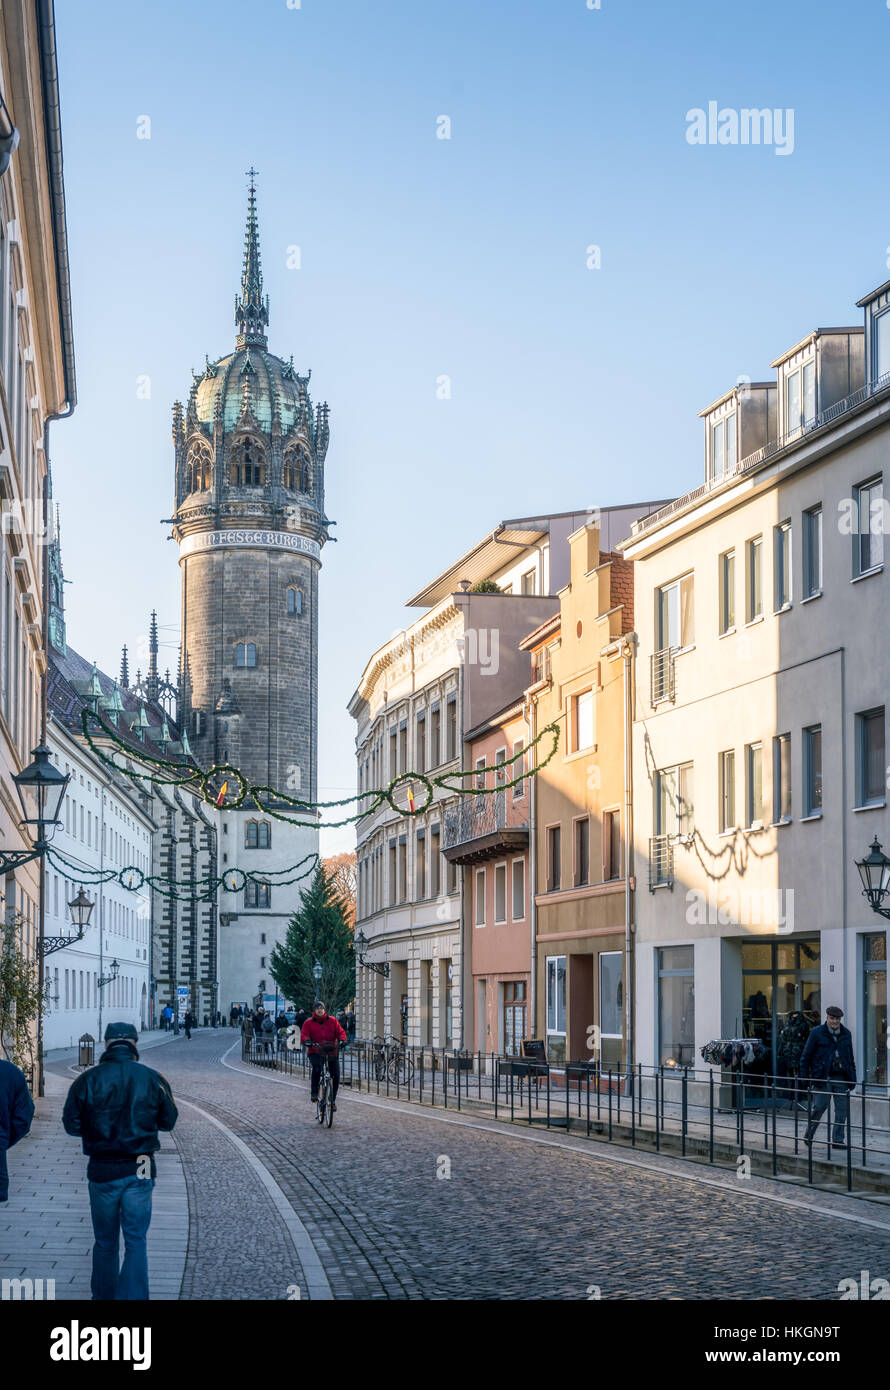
(627, 654)
(528, 712)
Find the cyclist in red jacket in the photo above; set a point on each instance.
(322, 1034)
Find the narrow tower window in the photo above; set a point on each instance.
(295, 602)
(245, 654)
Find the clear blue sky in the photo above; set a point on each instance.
(423, 257)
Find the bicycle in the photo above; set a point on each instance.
(325, 1104)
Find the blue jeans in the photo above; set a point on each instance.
(824, 1091)
(121, 1205)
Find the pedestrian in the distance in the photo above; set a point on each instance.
(341, 1018)
(188, 1024)
(350, 1025)
(116, 1108)
(828, 1061)
(167, 1016)
(16, 1114)
(267, 1032)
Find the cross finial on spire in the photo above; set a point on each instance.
(251, 309)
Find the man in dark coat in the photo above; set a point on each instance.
(828, 1061)
(16, 1114)
(116, 1108)
(188, 1024)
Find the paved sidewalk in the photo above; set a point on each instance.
(45, 1228)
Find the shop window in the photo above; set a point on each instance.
(874, 1008)
(676, 1006)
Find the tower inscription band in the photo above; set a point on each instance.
(239, 538)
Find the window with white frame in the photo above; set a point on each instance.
(727, 591)
(812, 770)
(500, 893)
(868, 552)
(674, 614)
(518, 876)
(753, 784)
(556, 994)
(727, 790)
(781, 778)
(882, 346)
(800, 397)
(753, 579)
(518, 770)
(782, 565)
(611, 994)
(674, 809)
(871, 767)
(581, 721)
(812, 552)
(480, 898)
(724, 446)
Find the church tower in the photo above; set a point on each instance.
(250, 522)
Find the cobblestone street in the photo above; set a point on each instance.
(365, 1210)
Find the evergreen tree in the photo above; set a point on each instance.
(318, 931)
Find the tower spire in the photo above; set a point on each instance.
(125, 668)
(251, 309)
(152, 684)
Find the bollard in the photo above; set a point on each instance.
(87, 1050)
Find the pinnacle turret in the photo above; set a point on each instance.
(251, 309)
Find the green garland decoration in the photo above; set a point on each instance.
(133, 879)
(198, 781)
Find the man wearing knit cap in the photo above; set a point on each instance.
(117, 1108)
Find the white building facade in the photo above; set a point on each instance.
(105, 827)
(760, 763)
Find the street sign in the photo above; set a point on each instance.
(182, 1001)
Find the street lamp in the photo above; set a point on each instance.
(81, 909)
(41, 787)
(874, 870)
(102, 981)
(360, 945)
(317, 972)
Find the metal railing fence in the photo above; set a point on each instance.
(718, 1116)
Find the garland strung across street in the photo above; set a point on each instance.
(133, 879)
(213, 785)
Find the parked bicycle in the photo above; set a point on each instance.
(392, 1060)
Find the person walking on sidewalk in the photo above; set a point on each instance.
(828, 1061)
(167, 1015)
(322, 1031)
(16, 1114)
(116, 1108)
(188, 1024)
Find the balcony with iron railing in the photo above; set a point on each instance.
(661, 676)
(661, 862)
(481, 827)
(830, 416)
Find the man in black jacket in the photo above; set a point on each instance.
(828, 1061)
(16, 1114)
(117, 1108)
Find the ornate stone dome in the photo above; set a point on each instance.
(222, 389)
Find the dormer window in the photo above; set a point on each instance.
(245, 654)
(882, 346)
(723, 446)
(295, 602)
(800, 397)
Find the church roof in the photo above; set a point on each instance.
(75, 684)
(264, 377)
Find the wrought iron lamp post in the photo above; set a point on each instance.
(360, 945)
(317, 973)
(102, 981)
(874, 870)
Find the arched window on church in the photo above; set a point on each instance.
(297, 473)
(246, 465)
(295, 602)
(245, 654)
(199, 468)
(264, 835)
